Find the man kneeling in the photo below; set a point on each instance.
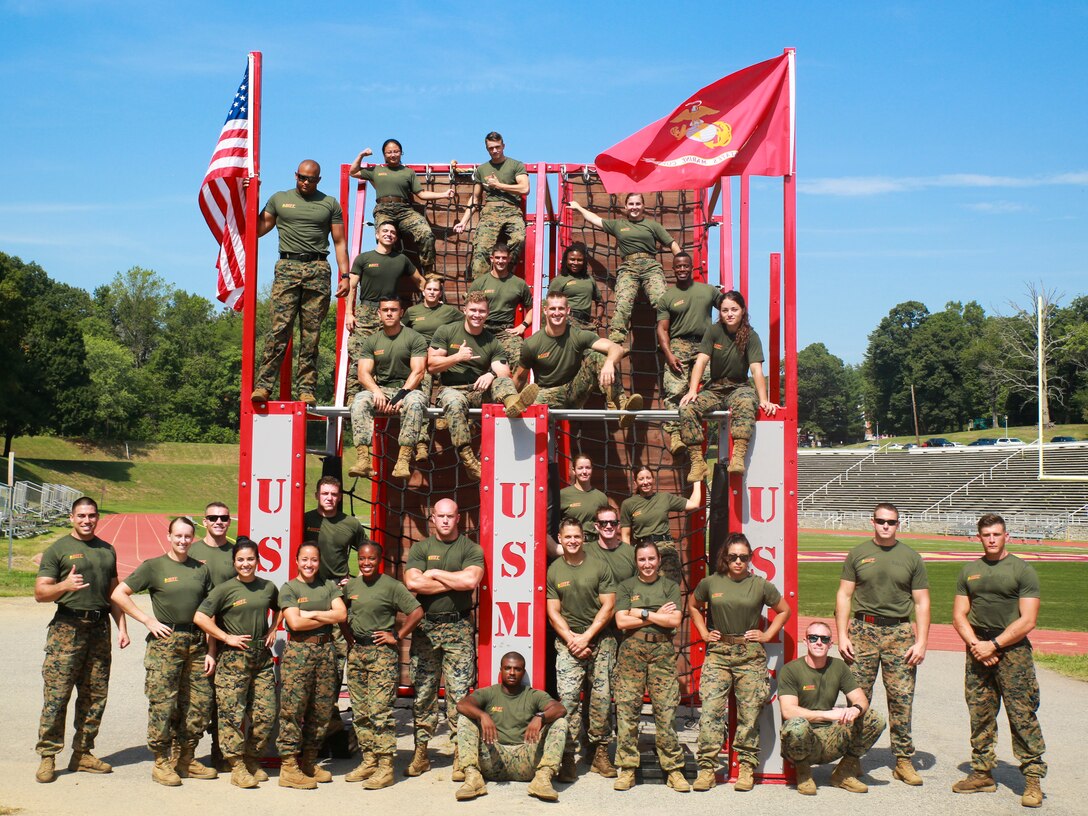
(523, 730)
(813, 730)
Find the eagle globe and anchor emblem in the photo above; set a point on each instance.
(693, 124)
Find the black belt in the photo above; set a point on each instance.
(496, 328)
(878, 620)
(183, 627)
(391, 200)
(651, 637)
(657, 539)
(693, 338)
(85, 615)
(370, 302)
(581, 314)
(303, 256)
(446, 617)
(990, 634)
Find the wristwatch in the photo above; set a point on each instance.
(645, 614)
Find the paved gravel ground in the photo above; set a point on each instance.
(940, 731)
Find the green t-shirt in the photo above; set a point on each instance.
(336, 538)
(507, 173)
(621, 561)
(503, 297)
(241, 608)
(582, 505)
(426, 320)
(379, 274)
(511, 712)
(637, 236)
(315, 597)
(95, 560)
(581, 291)
(485, 345)
(555, 360)
(688, 310)
(726, 362)
(734, 607)
(634, 593)
(452, 556)
(218, 560)
(816, 690)
(373, 607)
(647, 517)
(995, 588)
(176, 588)
(304, 223)
(884, 578)
(387, 181)
(578, 590)
(393, 356)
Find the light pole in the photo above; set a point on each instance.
(1006, 426)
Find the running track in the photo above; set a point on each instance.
(139, 536)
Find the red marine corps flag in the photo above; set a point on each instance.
(742, 124)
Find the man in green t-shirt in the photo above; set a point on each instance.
(305, 218)
(814, 730)
(995, 608)
(523, 731)
(883, 581)
(581, 596)
(392, 363)
(507, 183)
(610, 547)
(214, 550)
(78, 573)
(567, 363)
(471, 364)
(505, 291)
(684, 313)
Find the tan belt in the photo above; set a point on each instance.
(640, 256)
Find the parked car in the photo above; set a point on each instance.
(937, 442)
(895, 446)
(1008, 440)
(909, 446)
(1063, 439)
(983, 442)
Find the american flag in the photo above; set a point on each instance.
(223, 199)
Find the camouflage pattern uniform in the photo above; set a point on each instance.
(741, 667)
(511, 763)
(412, 416)
(300, 288)
(447, 650)
(511, 343)
(570, 677)
(637, 270)
(245, 683)
(77, 655)
(497, 217)
(676, 385)
(801, 742)
(367, 322)
(884, 648)
(179, 696)
(575, 393)
(308, 692)
(412, 223)
(647, 667)
(741, 400)
(373, 674)
(456, 400)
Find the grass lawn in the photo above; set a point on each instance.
(824, 542)
(1075, 666)
(1025, 433)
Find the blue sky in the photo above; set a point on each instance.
(940, 145)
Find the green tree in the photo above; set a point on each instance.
(113, 393)
(828, 397)
(135, 306)
(938, 360)
(887, 369)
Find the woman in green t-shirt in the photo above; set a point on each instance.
(645, 517)
(727, 610)
(575, 281)
(236, 613)
(309, 683)
(648, 611)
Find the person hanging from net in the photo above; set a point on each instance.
(645, 517)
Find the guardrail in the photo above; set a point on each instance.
(989, 473)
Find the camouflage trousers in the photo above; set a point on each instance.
(575, 393)
(456, 400)
(413, 416)
(308, 690)
(77, 656)
(446, 650)
(741, 401)
(581, 320)
(801, 742)
(179, 696)
(245, 684)
(741, 667)
(340, 647)
(670, 563)
(372, 684)
(631, 275)
(366, 323)
(571, 674)
(643, 667)
(496, 218)
(300, 290)
(1013, 682)
(674, 385)
(511, 343)
(410, 222)
(884, 648)
(511, 763)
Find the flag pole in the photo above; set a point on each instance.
(249, 294)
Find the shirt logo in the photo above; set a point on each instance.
(678, 303)
(239, 602)
(636, 514)
(496, 709)
(434, 557)
(379, 352)
(716, 594)
(171, 580)
(373, 265)
(718, 346)
(625, 229)
(74, 556)
(973, 577)
(809, 687)
(303, 599)
(636, 598)
(867, 560)
(575, 504)
(544, 356)
(289, 206)
(564, 584)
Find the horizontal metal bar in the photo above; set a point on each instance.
(658, 415)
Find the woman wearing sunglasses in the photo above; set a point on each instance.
(727, 610)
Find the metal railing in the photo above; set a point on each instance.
(987, 474)
(840, 479)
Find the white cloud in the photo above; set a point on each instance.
(996, 207)
(857, 186)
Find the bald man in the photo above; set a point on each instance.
(443, 571)
(305, 218)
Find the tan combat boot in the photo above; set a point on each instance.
(736, 461)
(976, 782)
(568, 769)
(421, 452)
(516, 404)
(163, 772)
(676, 444)
(677, 782)
(541, 786)
(705, 780)
(629, 403)
(469, 460)
(239, 774)
(904, 772)
(259, 395)
(188, 768)
(420, 764)
(806, 785)
(87, 762)
(403, 468)
(458, 773)
(746, 778)
(383, 774)
(698, 465)
(254, 768)
(602, 763)
(625, 780)
(307, 399)
(362, 468)
(474, 785)
(1033, 792)
(365, 770)
(47, 769)
(308, 764)
(845, 775)
(291, 776)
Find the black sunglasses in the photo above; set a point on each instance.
(311, 179)
(889, 522)
(825, 639)
(217, 518)
(742, 557)
(607, 523)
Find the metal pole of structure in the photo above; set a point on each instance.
(11, 509)
(1039, 374)
(914, 409)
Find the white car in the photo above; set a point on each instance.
(1008, 440)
